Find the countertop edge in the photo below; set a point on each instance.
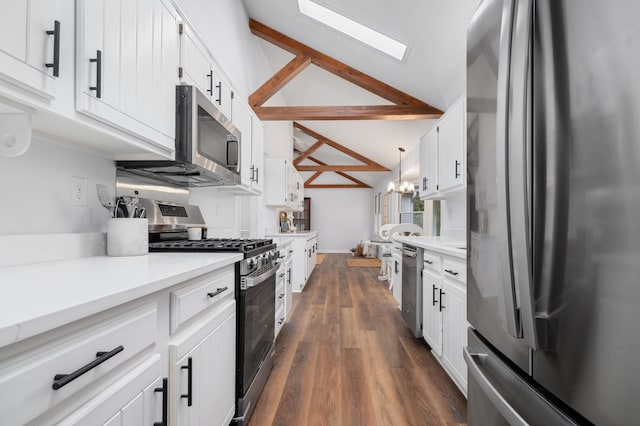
(437, 244)
(13, 331)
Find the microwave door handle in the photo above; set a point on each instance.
(237, 152)
(519, 151)
(502, 166)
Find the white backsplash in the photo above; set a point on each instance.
(453, 216)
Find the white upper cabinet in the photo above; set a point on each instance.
(198, 68)
(443, 155)
(242, 121)
(429, 163)
(257, 153)
(452, 148)
(284, 184)
(127, 62)
(34, 35)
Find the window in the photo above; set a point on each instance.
(412, 208)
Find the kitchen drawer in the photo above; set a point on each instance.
(280, 295)
(455, 269)
(27, 379)
(200, 293)
(280, 317)
(433, 262)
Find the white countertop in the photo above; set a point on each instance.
(442, 245)
(40, 297)
(293, 234)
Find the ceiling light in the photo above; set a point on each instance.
(403, 187)
(353, 29)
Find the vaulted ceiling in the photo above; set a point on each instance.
(433, 71)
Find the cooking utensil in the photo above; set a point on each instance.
(121, 208)
(105, 198)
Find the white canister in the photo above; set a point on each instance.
(127, 236)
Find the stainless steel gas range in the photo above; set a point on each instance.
(254, 292)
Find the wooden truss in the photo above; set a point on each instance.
(406, 107)
(321, 167)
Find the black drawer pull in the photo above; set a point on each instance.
(217, 292)
(98, 86)
(451, 272)
(433, 295)
(281, 321)
(189, 394)
(281, 296)
(60, 380)
(165, 402)
(428, 262)
(56, 49)
(441, 305)
(457, 165)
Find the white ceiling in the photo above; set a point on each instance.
(433, 70)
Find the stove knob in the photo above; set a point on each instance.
(252, 264)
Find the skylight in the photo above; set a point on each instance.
(353, 29)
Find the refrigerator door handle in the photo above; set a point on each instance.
(501, 404)
(502, 167)
(519, 151)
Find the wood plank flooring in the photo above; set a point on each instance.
(345, 357)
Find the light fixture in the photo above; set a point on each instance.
(353, 29)
(403, 187)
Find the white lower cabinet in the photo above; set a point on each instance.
(281, 293)
(123, 366)
(136, 399)
(304, 258)
(202, 370)
(444, 313)
(432, 311)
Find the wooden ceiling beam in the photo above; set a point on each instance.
(342, 168)
(359, 112)
(308, 151)
(279, 80)
(357, 183)
(407, 107)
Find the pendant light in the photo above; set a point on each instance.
(403, 187)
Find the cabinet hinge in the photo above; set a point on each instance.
(179, 72)
(180, 28)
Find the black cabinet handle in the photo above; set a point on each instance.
(218, 291)
(428, 262)
(253, 174)
(210, 77)
(433, 296)
(60, 380)
(396, 266)
(441, 305)
(451, 272)
(257, 175)
(281, 321)
(281, 296)
(56, 49)
(219, 87)
(98, 86)
(424, 183)
(189, 394)
(165, 402)
(457, 165)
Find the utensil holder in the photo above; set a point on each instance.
(127, 236)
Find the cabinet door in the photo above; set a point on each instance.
(278, 175)
(288, 299)
(429, 164)
(454, 331)
(432, 316)
(451, 148)
(205, 374)
(25, 46)
(195, 61)
(117, 80)
(166, 60)
(242, 121)
(257, 152)
(135, 399)
(222, 95)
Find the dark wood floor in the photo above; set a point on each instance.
(345, 357)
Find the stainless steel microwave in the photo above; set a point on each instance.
(207, 146)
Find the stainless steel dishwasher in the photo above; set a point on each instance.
(412, 288)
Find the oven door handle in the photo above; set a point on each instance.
(254, 281)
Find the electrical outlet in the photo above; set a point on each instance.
(78, 191)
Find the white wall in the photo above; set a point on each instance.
(342, 217)
(35, 190)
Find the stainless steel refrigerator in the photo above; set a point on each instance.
(553, 98)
